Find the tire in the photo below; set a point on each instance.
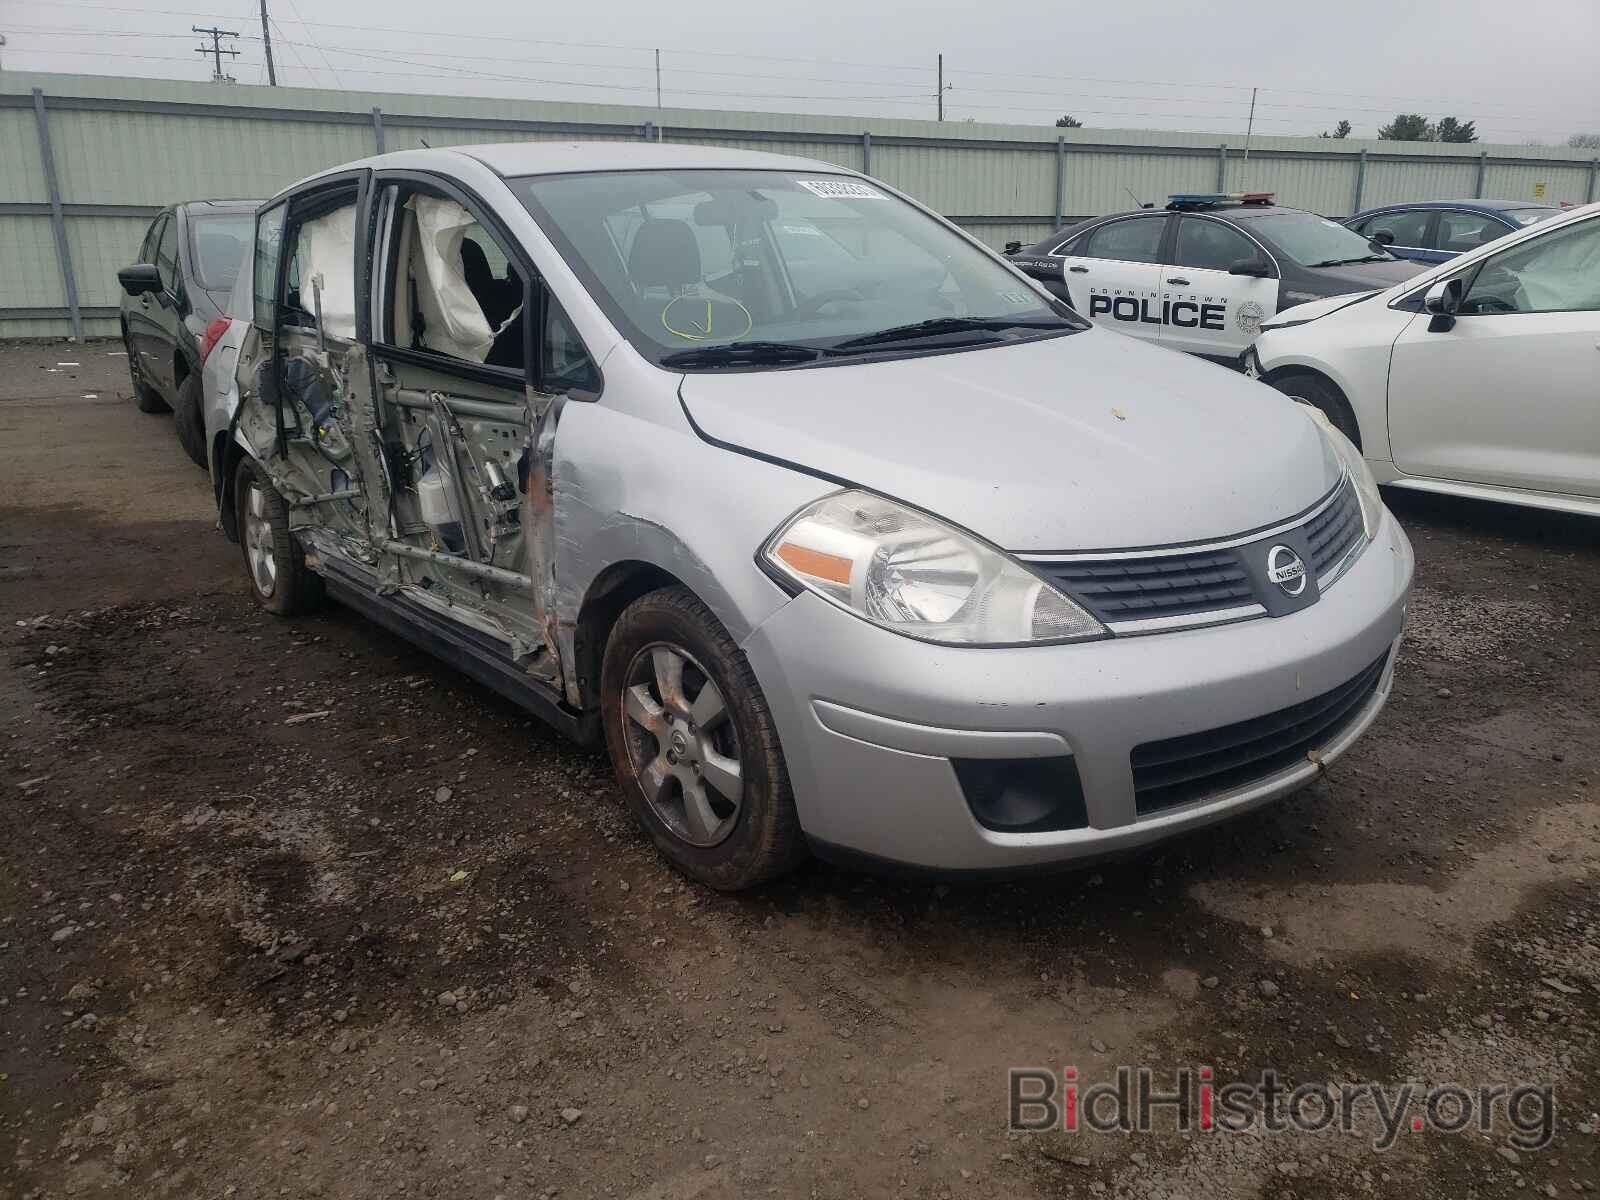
(668, 749)
(148, 399)
(190, 421)
(1320, 393)
(276, 566)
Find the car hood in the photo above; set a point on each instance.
(1085, 442)
(1360, 277)
(1299, 314)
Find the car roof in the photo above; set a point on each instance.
(513, 159)
(559, 158)
(1227, 212)
(1469, 205)
(218, 206)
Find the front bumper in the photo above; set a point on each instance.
(870, 721)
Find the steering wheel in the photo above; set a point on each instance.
(1493, 304)
(810, 306)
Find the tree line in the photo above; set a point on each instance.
(1407, 127)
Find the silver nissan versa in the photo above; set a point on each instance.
(839, 531)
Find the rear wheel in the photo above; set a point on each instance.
(189, 420)
(694, 746)
(148, 399)
(279, 577)
(1320, 393)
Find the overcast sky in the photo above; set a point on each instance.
(1524, 73)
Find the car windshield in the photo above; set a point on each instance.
(216, 248)
(701, 268)
(1314, 241)
(1531, 216)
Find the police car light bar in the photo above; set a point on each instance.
(1211, 199)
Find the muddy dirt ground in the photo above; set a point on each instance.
(416, 947)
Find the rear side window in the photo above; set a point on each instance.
(216, 247)
(1462, 231)
(1408, 228)
(1137, 239)
(321, 276)
(268, 252)
(1210, 245)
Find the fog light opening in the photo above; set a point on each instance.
(1023, 795)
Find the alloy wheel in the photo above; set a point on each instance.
(683, 749)
(259, 545)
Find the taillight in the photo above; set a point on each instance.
(213, 335)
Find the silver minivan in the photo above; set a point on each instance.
(840, 532)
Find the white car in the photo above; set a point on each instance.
(219, 390)
(1480, 378)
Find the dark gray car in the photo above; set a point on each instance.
(1203, 273)
(174, 301)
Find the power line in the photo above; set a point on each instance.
(314, 46)
(916, 98)
(1432, 102)
(1545, 123)
(311, 78)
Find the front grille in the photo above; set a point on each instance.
(1181, 769)
(1197, 582)
(1133, 589)
(1334, 530)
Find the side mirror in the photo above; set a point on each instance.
(1258, 268)
(1013, 247)
(1382, 237)
(1444, 302)
(140, 279)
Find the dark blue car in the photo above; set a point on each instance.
(1434, 231)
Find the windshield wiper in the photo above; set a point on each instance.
(740, 354)
(1344, 262)
(939, 326)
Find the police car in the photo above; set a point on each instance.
(1203, 273)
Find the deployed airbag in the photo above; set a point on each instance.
(328, 248)
(453, 321)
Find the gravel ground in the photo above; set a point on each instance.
(415, 947)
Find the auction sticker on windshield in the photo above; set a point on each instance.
(840, 189)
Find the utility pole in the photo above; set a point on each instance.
(1250, 125)
(216, 51)
(658, 82)
(941, 87)
(266, 40)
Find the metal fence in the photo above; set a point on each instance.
(86, 161)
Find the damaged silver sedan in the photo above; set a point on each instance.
(839, 532)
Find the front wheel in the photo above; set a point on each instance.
(694, 745)
(1319, 393)
(279, 578)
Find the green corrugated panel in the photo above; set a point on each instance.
(21, 175)
(29, 277)
(102, 246)
(128, 157)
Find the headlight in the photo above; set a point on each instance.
(905, 571)
(1366, 486)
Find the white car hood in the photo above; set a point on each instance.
(1298, 314)
(1090, 441)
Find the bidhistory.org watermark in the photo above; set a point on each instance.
(1191, 1099)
